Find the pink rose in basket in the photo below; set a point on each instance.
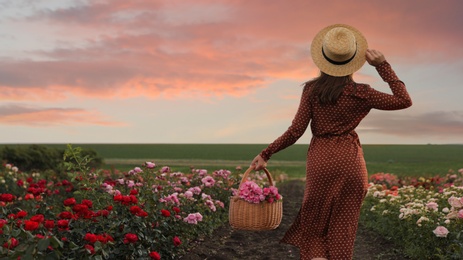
(251, 192)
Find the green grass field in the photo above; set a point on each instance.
(403, 160)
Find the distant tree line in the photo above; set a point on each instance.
(41, 157)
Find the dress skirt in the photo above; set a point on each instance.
(336, 184)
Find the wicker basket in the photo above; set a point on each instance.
(249, 216)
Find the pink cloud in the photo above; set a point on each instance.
(38, 117)
(214, 48)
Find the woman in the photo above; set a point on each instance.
(336, 182)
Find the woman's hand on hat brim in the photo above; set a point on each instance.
(374, 57)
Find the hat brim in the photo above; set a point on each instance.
(338, 70)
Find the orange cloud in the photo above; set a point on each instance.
(17, 115)
(213, 48)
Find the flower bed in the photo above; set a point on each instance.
(148, 212)
(423, 215)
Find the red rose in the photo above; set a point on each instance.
(135, 209)
(165, 213)
(104, 238)
(30, 225)
(19, 222)
(63, 224)
(65, 215)
(2, 222)
(20, 183)
(7, 197)
(110, 207)
(21, 214)
(39, 218)
(69, 202)
(29, 196)
(12, 243)
(80, 208)
(89, 203)
(91, 238)
(176, 241)
(176, 210)
(126, 199)
(50, 224)
(133, 199)
(90, 249)
(142, 213)
(133, 192)
(155, 255)
(130, 238)
(118, 198)
(103, 213)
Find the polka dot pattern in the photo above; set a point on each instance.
(336, 180)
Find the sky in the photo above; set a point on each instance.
(214, 71)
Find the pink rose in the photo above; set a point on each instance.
(208, 181)
(201, 172)
(460, 213)
(441, 231)
(432, 205)
(455, 202)
(188, 194)
(191, 219)
(150, 165)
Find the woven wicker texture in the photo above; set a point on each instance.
(249, 216)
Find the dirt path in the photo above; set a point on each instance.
(228, 244)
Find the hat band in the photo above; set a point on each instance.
(339, 62)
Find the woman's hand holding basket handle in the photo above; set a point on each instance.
(258, 163)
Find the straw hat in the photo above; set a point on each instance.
(339, 50)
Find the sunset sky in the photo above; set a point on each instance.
(214, 71)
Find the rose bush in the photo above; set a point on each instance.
(146, 213)
(424, 214)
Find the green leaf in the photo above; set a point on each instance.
(73, 246)
(55, 242)
(97, 246)
(27, 257)
(16, 232)
(21, 248)
(105, 254)
(43, 244)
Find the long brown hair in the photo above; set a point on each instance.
(328, 88)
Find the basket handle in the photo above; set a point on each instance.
(245, 176)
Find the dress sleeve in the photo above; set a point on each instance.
(295, 131)
(383, 101)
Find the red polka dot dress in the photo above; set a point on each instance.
(336, 173)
